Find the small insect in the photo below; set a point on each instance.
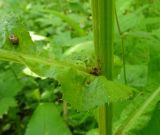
(14, 39)
(95, 71)
(88, 82)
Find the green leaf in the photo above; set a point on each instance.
(82, 54)
(136, 75)
(152, 127)
(12, 24)
(93, 132)
(85, 93)
(85, 89)
(9, 84)
(5, 103)
(138, 53)
(68, 20)
(139, 34)
(131, 19)
(46, 120)
(137, 114)
(81, 89)
(9, 87)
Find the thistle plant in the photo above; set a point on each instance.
(103, 23)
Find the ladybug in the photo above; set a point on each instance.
(14, 39)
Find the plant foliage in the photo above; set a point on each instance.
(50, 70)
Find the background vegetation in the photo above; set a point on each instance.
(62, 30)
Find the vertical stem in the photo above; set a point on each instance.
(123, 48)
(103, 24)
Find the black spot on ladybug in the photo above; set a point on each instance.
(14, 39)
(95, 71)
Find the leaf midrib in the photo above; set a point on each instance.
(137, 114)
(20, 58)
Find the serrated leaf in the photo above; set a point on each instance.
(9, 84)
(85, 93)
(74, 82)
(9, 87)
(46, 120)
(81, 89)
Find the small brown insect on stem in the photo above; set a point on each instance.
(14, 39)
(95, 71)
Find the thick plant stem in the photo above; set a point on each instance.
(103, 24)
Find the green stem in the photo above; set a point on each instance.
(123, 48)
(65, 110)
(103, 24)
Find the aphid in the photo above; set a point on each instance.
(95, 71)
(14, 39)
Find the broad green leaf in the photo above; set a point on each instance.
(93, 132)
(130, 20)
(136, 75)
(152, 128)
(139, 34)
(46, 120)
(82, 54)
(81, 89)
(9, 84)
(138, 54)
(50, 13)
(85, 93)
(9, 87)
(12, 24)
(152, 20)
(68, 20)
(5, 103)
(137, 114)
(154, 60)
